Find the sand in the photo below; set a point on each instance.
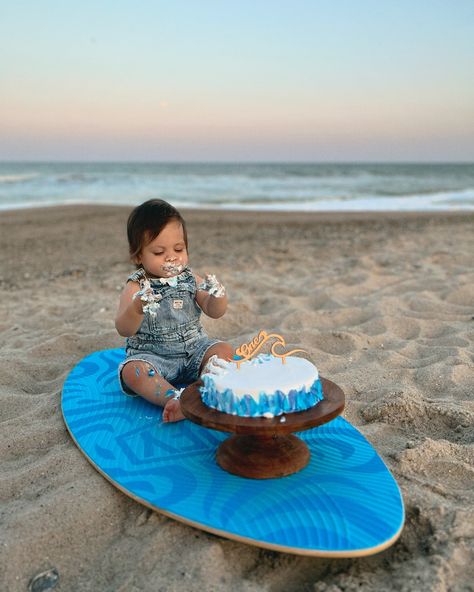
(382, 303)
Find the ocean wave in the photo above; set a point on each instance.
(11, 179)
(77, 178)
(284, 186)
(367, 204)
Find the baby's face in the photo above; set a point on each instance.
(165, 255)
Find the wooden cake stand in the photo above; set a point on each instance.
(262, 448)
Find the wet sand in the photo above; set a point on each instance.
(382, 303)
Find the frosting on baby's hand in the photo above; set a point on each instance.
(151, 299)
(216, 365)
(212, 285)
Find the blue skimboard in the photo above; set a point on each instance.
(344, 503)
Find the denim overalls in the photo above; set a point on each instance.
(173, 341)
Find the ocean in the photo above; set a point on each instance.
(242, 186)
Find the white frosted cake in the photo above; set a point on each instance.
(262, 387)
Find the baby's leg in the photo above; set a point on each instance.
(144, 380)
(221, 350)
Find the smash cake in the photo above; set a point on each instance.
(266, 385)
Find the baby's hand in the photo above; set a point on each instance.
(149, 300)
(172, 411)
(212, 285)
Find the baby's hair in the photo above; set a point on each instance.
(147, 221)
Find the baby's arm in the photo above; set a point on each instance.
(130, 311)
(212, 305)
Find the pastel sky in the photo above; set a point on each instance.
(263, 80)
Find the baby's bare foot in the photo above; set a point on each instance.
(172, 411)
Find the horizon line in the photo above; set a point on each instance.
(237, 161)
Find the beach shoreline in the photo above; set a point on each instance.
(383, 303)
(324, 214)
(250, 186)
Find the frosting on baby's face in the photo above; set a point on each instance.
(166, 255)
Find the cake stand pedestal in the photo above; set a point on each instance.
(263, 448)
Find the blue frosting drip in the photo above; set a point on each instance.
(276, 403)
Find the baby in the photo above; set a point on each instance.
(160, 308)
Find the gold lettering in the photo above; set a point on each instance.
(247, 350)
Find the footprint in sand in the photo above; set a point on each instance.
(445, 463)
(335, 343)
(410, 410)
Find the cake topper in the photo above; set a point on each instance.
(247, 350)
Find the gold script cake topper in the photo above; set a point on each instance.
(247, 350)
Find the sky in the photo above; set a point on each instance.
(237, 80)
